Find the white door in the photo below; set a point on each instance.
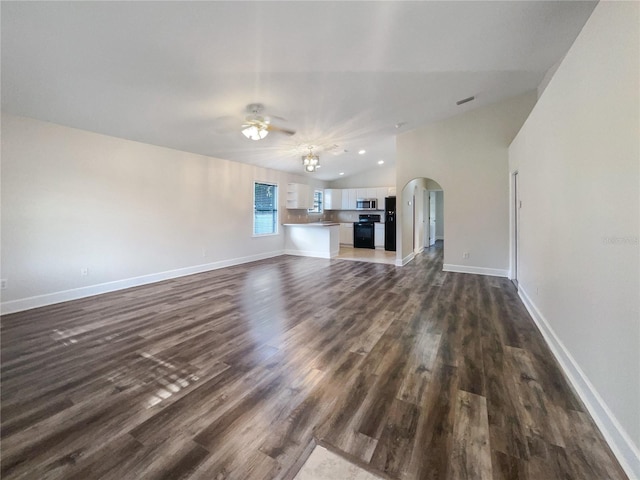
(432, 218)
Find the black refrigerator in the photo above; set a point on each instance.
(390, 224)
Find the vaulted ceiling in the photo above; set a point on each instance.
(342, 74)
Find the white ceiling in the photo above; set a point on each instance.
(179, 74)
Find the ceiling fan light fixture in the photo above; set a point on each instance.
(255, 132)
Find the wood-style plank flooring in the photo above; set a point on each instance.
(417, 373)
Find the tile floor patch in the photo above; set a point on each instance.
(367, 255)
(325, 465)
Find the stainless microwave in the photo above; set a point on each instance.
(366, 204)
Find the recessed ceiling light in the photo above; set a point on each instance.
(362, 152)
(341, 173)
(400, 124)
(380, 162)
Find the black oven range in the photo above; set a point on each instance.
(364, 230)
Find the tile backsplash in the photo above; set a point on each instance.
(340, 216)
(302, 216)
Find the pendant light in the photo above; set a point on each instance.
(310, 162)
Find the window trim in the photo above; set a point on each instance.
(313, 210)
(276, 206)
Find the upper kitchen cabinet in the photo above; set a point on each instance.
(382, 193)
(299, 196)
(345, 198)
(366, 193)
(349, 199)
(333, 199)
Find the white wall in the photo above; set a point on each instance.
(578, 163)
(73, 199)
(468, 156)
(378, 176)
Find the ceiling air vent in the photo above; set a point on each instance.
(465, 100)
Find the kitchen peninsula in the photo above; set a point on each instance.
(319, 239)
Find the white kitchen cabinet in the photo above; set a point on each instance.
(299, 196)
(333, 199)
(348, 196)
(349, 199)
(353, 197)
(345, 199)
(346, 233)
(378, 239)
(312, 239)
(381, 194)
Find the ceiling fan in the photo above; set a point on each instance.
(257, 127)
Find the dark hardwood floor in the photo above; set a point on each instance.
(417, 373)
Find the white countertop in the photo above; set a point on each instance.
(314, 224)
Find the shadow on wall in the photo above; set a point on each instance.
(419, 224)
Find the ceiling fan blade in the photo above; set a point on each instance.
(274, 117)
(226, 124)
(286, 131)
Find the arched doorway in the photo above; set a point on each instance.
(420, 218)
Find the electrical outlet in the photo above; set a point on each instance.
(204, 252)
(3, 283)
(84, 271)
(465, 255)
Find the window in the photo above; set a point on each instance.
(317, 202)
(265, 208)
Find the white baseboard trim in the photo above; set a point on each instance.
(22, 304)
(405, 260)
(310, 253)
(621, 444)
(419, 250)
(494, 272)
(439, 237)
